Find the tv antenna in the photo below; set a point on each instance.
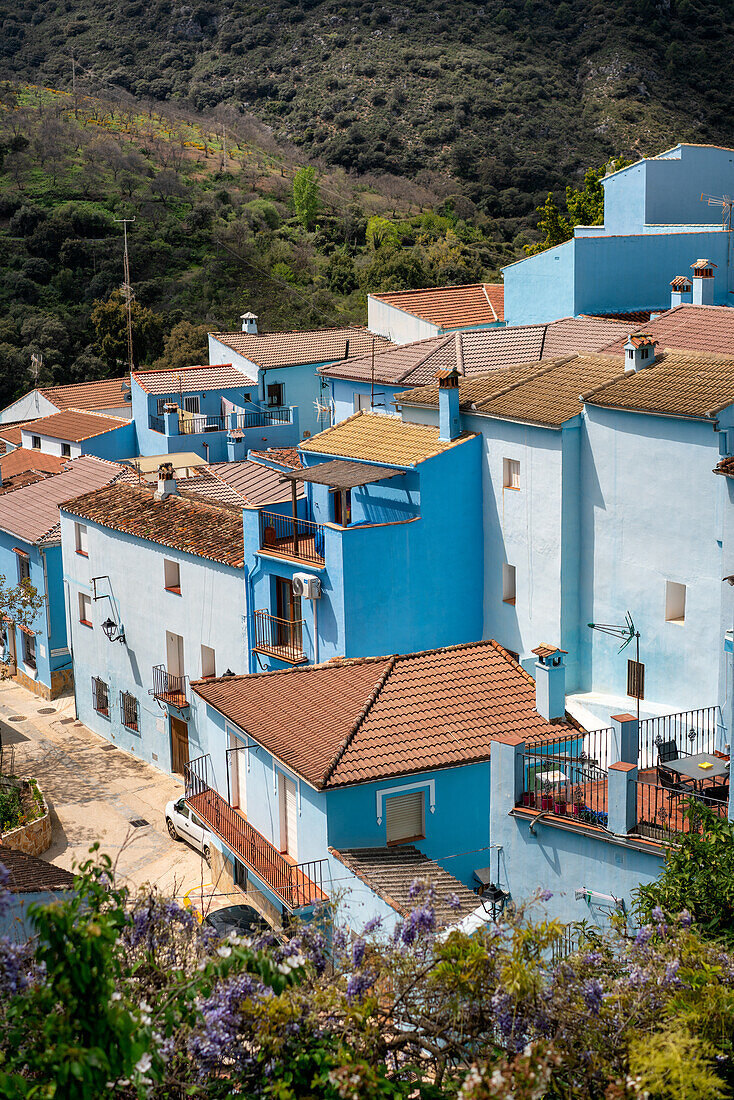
(36, 364)
(628, 632)
(726, 202)
(127, 293)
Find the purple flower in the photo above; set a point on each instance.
(416, 888)
(643, 937)
(4, 892)
(593, 993)
(16, 967)
(219, 1035)
(372, 925)
(357, 953)
(420, 922)
(358, 985)
(658, 915)
(545, 895)
(685, 918)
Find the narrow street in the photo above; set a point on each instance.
(95, 792)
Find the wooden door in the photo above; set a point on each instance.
(287, 607)
(179, 745)
(288, 816)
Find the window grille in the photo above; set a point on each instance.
(129, 711)
(636, 679)
(29, 649)
(100, 697)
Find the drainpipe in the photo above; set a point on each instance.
(71, 645)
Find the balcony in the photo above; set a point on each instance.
(281, 638)
(199, 424)
(297, 885)
(168, 688)
(291, 537)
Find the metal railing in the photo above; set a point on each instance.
(692, 731)
(281, 638)
(157, 423)
(100, 697)
(297, 885)
(257, 418)
(568, 775)
(661, 810)
(168, 688)
(196, 424)
(294, 537)
(129, 711)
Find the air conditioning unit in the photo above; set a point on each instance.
(306, 585)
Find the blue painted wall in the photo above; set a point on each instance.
(343, 393)
(122, 442)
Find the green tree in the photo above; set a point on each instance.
(109, 321)
(306, 201)
(553, 225)
(381, 231)
(184, 345)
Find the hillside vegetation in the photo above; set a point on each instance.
(507, 98)
(225, 220)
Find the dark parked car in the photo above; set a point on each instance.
(242, 919)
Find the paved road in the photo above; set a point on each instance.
(94, 791)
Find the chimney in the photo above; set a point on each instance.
(166, 482)
(680, 291)
(249, 323)
(639, 351)
(449, 418)
(550, 682)
(703, 283)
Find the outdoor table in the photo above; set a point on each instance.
(689, 767)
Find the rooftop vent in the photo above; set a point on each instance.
(639, 351)
(166, 482)
(249, 323)
(703, 282)
(681, 289)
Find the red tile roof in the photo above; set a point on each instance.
(352, 721)
(30, 875)
(284, 456)
(32, 513)
(289, 349)
(11, 433)
(678, 383)
(689, 328)
(74, 426)
(239, 484)
(106, 393)
(24, 459)
(451, 306)
(183, 523)
(219, 376)
(725, 466)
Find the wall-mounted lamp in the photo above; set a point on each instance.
(112, 631)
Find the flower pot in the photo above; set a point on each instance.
(559, 808)
(528, 798)
(576, 809)
(546, 802)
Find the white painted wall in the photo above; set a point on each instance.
(28, 407)
(396, 324)
(49, 445)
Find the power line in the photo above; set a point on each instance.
(127, 292)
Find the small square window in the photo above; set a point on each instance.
(66, 450)
(85, 609)
(362, 401)
(510, 473)
(80, 538)
(36, 442)
(172, 576)
(508, 583)
(208, 663)
(191, 404)
(100, 697)
(675, 602)
(159, 405)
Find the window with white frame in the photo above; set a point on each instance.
(508, 583)
(191, 404)
(276, 394)
(36, 442)
(405, 817)
(24, 566)
(172, 576)
(362, 401)
(80, 539)
(85, 609)
(675, 602)
(208, 663)
(66, 450)
(511, 473)
(159, 405)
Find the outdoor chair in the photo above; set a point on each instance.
(667, 750)
(672, 783)
(719, 793)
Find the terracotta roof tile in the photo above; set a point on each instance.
(25, 459)
(377, 717)
(479, 351)
(221, 376)
(451, 306)
(32, 513)
(390, 873)
(689, 328)
(75, 426)
(239, 484)
(106, 393)
(283, 456)
(288, 349)
(678, 383)
(11, 433)
(194, 526)
(381, 438)
(30, 875)
(725, 466)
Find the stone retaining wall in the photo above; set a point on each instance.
(34, 838)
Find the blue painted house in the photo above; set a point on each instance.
(383, 553)
(284, 365)
(214, 412)
(350, 779)
(39, 656)
(657, 224)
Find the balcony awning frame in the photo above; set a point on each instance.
(341, 474)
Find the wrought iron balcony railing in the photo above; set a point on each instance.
(280, 638)
(292, 537)
(169, 688)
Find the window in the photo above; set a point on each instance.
(80, 538)
(207, 662)
(36, 442)
(24, 566)
(636, 679)
(362, 401)
(191, 404)
(172, 576)
(675, 602)
(276, 395)
(129, 710)
(343, 507)
(510, 473)
(29, 649)
(85, 609)
(159, 405)
(508, 583)
(66, 450)
(404, 816)
(100, 697)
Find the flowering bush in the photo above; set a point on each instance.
(129, 996)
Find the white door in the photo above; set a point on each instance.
(174, 654)
(237, 774)
(288, 816)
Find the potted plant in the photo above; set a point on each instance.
(578, 802)
(546, 798)
(559, 803)
(528, 798)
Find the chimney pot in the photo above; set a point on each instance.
(703, 282)
(167, 486)
(249, 323)
(550, 682)
(639, 351)
(449, 416)
(681, 289)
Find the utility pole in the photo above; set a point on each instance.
(127, 293)
(73, 83)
